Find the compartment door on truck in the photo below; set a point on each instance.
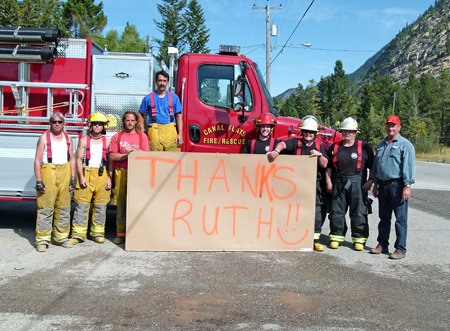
(119, 82)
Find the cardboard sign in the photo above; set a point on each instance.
(220, 202)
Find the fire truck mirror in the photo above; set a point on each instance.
(238, 87)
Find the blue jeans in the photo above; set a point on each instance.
(390, 199)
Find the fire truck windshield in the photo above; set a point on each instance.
(267, 95)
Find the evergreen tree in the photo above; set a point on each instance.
(130, 40)
(9, 13)
(337, 96)
(444, 116)
(111, 40)
(311, 101)
(197, 35)
(83, 18)
(31, 13)
(372, 127)
(50, 13)
(290, 106)
(172, 27)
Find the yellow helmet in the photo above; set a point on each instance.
(98, 117)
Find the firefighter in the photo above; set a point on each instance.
(346, 179)
(54, 168)
(165, 121)
(122, 144)
(94, 182)
(308, 144)
(264, 143)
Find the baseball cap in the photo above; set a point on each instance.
(393, 119)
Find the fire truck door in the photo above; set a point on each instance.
(215, 122)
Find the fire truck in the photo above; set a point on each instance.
(221, 94)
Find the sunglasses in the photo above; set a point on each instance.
(97, 123)
(57, 122)
(310, 132)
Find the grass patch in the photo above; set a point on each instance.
(441, 156)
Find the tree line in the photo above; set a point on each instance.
(423, 104)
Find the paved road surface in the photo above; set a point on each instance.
(103, 287)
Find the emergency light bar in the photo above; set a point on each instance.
(29, 35)
(229, 50)
(28, 54)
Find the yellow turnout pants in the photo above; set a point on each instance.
(96, 193)
(162, 137)
(53, 204)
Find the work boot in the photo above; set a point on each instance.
(378, 250)
(74, 241)
(318, 247)
(99, 240)
(358, 246)
(397, 255)
(334, 244)
(41, 247)
(66, 244)
(119, 240)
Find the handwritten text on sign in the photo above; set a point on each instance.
(200, 201)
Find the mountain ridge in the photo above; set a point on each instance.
(422, 47)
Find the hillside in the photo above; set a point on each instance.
(422, 47)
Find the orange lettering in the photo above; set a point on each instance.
(215, 228)
(265, 181)
(221, 166)
(235, 208)
(261, 222)
(245, 178)
(194, 176)
(153, 160)
(294, 187)
(176, 218)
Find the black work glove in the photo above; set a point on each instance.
(72, 184)
(40, 187)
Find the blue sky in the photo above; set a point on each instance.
(347, 30)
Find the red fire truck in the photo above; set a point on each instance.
(221, 94)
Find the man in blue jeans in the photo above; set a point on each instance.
(393, 172)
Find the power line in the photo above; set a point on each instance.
(301, 19)
(332, 49)
(248, 30)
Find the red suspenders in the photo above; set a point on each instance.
(88, 149)
(300, 144)
(49, 146)
(359, 163)
(152, 101)
(252, 146)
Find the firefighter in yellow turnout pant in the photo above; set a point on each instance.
(54, 168)
(94, 182)
(165, 123)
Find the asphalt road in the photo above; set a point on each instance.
(103, 287)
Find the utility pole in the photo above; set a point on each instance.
(267, 8)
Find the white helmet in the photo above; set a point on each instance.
(310, 124)
(349, 124)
